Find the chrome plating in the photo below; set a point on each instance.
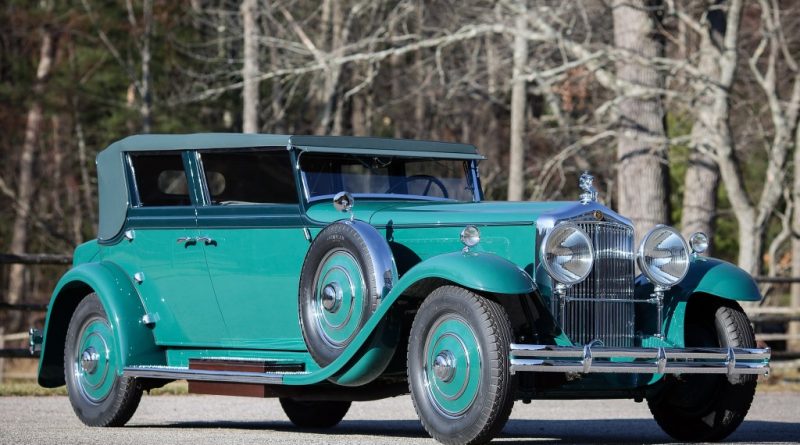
(598, 307)
(597, 359)
(332, 297)
(444, 366)
(430, 383)
(319, 302)
(640, 255)
(544, 244)
(384, 268)
(89, 359)
(589, 192)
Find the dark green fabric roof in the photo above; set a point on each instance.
(113, 190)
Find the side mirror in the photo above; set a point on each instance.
(343, 201)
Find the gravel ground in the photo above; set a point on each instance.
(774, 418)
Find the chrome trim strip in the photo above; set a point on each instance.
(699, 353)
(177, 373)
(384, 268)
(550, 358)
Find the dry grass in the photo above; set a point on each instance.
(781, 379)
(31, 388)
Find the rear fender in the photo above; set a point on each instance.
(135, 344)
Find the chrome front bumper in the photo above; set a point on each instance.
(595, 358)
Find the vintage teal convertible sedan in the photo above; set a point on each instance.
(327, 270)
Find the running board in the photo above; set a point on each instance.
(179, 373)
(593, 358)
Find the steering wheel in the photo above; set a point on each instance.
(432, 180)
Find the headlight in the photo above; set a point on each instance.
(698, 242)
(664, 256)
(567, 254)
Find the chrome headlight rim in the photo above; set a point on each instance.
(555, 275)
(640, 255)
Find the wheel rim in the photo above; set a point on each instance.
(452, 366)
(339, 298)
(94, 366)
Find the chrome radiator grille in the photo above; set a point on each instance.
(612, 276)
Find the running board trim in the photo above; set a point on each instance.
(180, 373)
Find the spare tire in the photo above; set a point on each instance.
(348, 269)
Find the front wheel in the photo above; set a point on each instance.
(706, 407)
(99, 396)
(314, 414)
(458, 366)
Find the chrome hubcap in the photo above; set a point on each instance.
(89, 359)
(332, 297)
(444, 366)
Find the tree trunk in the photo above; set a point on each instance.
(642, 173)
(24, 195)
(794, 327)
(146, 106)
(702, 174)
(250, 99)
(516, 167)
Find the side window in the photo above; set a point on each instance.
(249, 177)
(160, 179)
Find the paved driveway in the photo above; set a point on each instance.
(774, 418)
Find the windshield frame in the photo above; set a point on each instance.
(472, 178)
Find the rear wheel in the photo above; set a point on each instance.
(99, 396)
(314, 414)
(458, 366)
(697, 407)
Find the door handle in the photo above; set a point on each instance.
(207, 240)
(185, 239)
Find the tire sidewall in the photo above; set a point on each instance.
(728, 398)
(337, 236)
(91, 413)
(472, 420)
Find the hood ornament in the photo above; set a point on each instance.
(589, 192)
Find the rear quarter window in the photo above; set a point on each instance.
(160, 179)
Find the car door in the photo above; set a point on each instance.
(252, 215)
(168, 262)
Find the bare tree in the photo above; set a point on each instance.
(140, 84)
(516, 168)
(250, 67)
(24, 192)
(642, 172)
(794, 327)
(702, 174)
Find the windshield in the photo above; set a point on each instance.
(324, 175)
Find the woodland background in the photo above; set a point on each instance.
(686, 111)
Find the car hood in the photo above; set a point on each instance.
(381, 213)
(464, 213)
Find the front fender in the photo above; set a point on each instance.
(479, 271)
(706, 276)
(135, 344)
(719, 278)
